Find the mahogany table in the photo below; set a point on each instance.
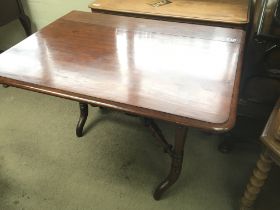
(181, 73)
(235, 13)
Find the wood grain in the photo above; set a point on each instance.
(223, 11)
(182, 73)
(271, 154)
(270, 134)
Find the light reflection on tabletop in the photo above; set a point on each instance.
(172, 72)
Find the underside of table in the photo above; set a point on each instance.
(176, 151)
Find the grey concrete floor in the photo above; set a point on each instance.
(116, 165)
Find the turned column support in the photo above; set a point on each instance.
(256, 181)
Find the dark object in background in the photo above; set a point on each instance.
(11, 10)
(260, 83)
(268, 27)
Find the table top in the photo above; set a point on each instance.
(271, 134)
(222, 11)
(182, 73)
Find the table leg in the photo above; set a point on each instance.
(256, 182)
(176, 162)
(149, 123)
(83, 119)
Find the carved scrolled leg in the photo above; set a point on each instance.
(256, 182)
(176, 164)
(82, 120)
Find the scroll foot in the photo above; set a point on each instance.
(82, 120)
(256, 182)
(176, 164)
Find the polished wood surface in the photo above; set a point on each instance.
(182, 73)
(223, 11)
(270, 133)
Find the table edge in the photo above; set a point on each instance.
(267, 137)
(145, 112)
(178, 17)
(210, 126)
